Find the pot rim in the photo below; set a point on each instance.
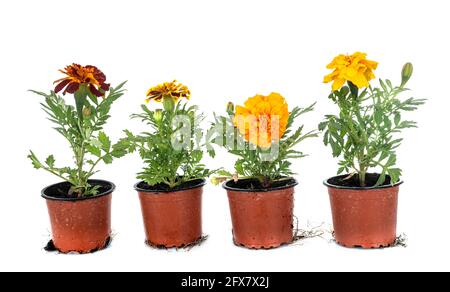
(224, 185)
(151, 192)
(105, 193)
(327, 184)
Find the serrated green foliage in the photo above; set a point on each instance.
(81, 125)
(165, 163)
(255, 162)
(363, 133)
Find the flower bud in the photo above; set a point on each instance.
(406, 73)
(87, 112)
(215, 181)
(230, 108)
(192, 115)
(168, 103)
(157, 115)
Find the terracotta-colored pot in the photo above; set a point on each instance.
(261, 218)
(172, 218)
(364, 216)
(81, 225)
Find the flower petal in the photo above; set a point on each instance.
(105, 86)
(72, 87)
(338, 83)
(61, 85)
(95, 91)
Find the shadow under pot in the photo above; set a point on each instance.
(172, 217)
(364, 217)
(261, 218)
(81, 225)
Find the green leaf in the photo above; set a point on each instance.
(106, 142)
(407, 124)
(93, 150)
(196, 156)
(34, 160)
(212, 153)
(223, 172)
(378, 117)
(120, 149)
(395, 143)
(50, 161)
(387, 123)
(381, 179)
(326, 137)
(383, 85)
(39, 93)
(397, 119)
(335, 147)
(391, 161)
(395, 174)
(108, 159)
(384, 155)
(323, 125)
(389, 83)
(92, 97)
(239, 166)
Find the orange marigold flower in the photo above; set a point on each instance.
(77, 75)
(354, 68)
(173, 89)
(263, 119)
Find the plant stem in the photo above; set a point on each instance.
(80, 97)
(91, 170)
(353, 89)
(265, 181)
(80, 162)
(362, 175)
(58, 175)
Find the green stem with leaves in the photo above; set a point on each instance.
(363, 133)
(83, 130)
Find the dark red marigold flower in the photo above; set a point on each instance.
(77, 75)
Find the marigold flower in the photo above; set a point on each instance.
(354, 68)
(173, 89)
(256, 119)
(77, 75)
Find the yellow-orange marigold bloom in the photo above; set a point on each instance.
(77, 75)
(354, 68)
(258, 117)
(172, 89)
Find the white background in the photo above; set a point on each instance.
(223, 50)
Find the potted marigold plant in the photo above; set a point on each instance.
(171, 186)
(364, 136)
(80, 207)
(261, 190)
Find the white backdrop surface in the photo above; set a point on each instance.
(223, 50)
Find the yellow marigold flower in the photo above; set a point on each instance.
(172, 89)
(354, 68)
(259, 114)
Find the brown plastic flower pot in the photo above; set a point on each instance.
(81, 225)
(261, 218)
(172, 218)
(364, 216)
